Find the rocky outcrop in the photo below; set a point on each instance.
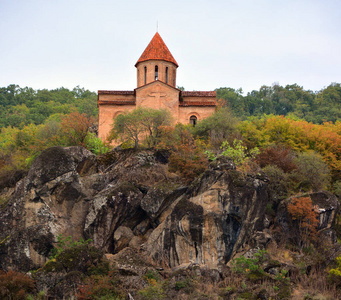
(51, 200)
(208, 224)
(129, 201)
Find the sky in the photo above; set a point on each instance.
(217, 43)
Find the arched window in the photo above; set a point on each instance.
(145, 75)
(166, 74)
(156, 72)
(193, 120)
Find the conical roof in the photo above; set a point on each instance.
(157, 50)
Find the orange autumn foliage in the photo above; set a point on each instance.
(303, 213)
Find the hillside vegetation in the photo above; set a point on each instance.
(291, 100)
(281, 143)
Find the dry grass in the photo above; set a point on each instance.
(316, 283)
(279, 253)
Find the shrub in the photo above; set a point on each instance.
(278, 156)
(153, 291)
(186, 157)
(252, 267)
(188, 161)
(335, 274)
(95, 144)
(64, 243)
(240, 155)
(100, 287)
(152, 275)
(280, 183)
(187, 285)
(15, 285)
(337, 188)
(314, 172)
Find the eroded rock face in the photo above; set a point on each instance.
(134, 202)
(327, 206)
(113, 207)
(211, 221)
(65, 193)
(51, 200)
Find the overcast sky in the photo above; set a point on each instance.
(243, 43)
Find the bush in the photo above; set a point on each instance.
(153, 291)
(278, 156)
(64, 243)
(188, 161)
(314, 172)
(95, 144)
(252, 267)
(240, 155)
(15, 285)
(280, 184)
(100, 287)
(187, 158)
(335, 274)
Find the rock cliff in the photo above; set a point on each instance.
(130, 199)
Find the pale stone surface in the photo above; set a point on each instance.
(210, 224)
(122, 237)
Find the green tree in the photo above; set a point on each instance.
(140, 124)
(313, 170)
(238, 152)
(233, 99)
(217, 128)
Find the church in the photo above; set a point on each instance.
(156, 88)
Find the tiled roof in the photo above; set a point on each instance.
(117, 102)
(157, 49)
(115, 92)
(198, 94)
(197, 103)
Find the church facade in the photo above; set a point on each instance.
(156, 88)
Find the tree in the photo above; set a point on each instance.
(279, 156)
(75, 127)
(302, 212)
(152, 120)
(240, 155)
(314, 172)
(217, 128)
(233, 99)
(186, 157)
(140, 124)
